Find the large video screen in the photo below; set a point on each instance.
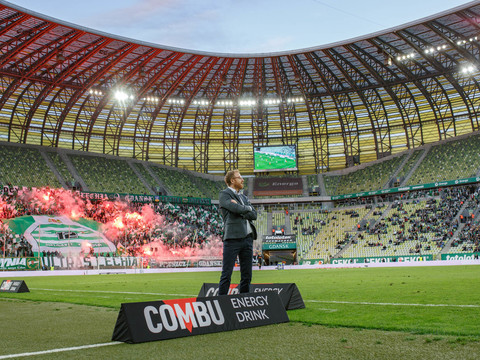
(275, 158)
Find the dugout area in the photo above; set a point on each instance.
(274, 257)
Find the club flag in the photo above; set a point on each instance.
(62, 234)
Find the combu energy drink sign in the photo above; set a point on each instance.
(168, 319)
(288, 292)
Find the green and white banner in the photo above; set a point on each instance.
(19, 263)
(62, 234)
(437, 184)
(382, 259)
(461, 256)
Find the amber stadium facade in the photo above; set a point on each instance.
(63, 85)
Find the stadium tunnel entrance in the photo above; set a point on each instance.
(275, 257)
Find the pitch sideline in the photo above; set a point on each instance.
(83, 347)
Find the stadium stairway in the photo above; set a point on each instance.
(321, 183)
(288, 226)
(269, 222)
(340, 253)
(414, 168)
(354, 231)
(250, 181)
(456, 234)
(400, 167)
(72, 170)
(157, 179)
(304, 185)
(140, 176)
(384, 213)
(52, 167)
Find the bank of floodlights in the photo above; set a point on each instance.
(200, 102)
(463, 42)
(247, 102)
(434, 49)
(289, 100)
(468, 69)
(151, 99)
(123, 96)
(176, 101)
(224, 103)
(406, 57)
(95, 92)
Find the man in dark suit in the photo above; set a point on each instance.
(238, 234)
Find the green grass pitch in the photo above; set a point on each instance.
(362, 313)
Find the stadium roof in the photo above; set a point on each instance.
(63, 85)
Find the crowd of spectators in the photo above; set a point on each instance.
(130, 226)
(468, 239)
(306, 230)
(15, 247)
(152, 227)
(438, 216)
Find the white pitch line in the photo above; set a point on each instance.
(390, 304)
(114, 292)
(314, 301)
(59, 350)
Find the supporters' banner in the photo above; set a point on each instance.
(90, 262)
(14, 286)
(62, 234)
(383, 259)
(184, 200)
(288, 292)
(271, 186)
(26, 263)
(183, 263)
(117, 196)
(168, 319)
(135, 198)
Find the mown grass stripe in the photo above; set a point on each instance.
(113, 292)
(390, 304)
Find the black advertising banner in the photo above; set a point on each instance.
(14, 286)
(168, 319)
(265, 186)
(288, 292)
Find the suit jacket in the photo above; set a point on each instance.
(235, 216)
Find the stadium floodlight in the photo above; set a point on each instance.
(247, 102)
(201, 102)
(468, 69)
(121, 95)
(271, 101)
(224, 103)
(152, 99)
(176, 101)
(95, 92)
(463, 42)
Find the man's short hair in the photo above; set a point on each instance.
(229, 176)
